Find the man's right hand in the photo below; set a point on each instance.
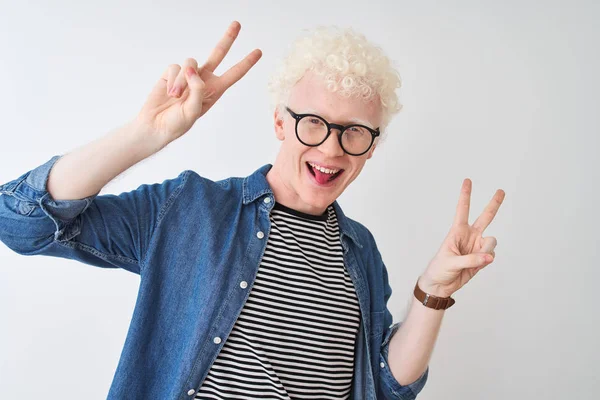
(185, 93)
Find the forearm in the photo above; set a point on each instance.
(86, 170)
(411, 346)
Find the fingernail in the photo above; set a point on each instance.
(190, 71)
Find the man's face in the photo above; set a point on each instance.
(299, 181)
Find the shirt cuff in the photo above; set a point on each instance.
(30, 191)
(390, 386)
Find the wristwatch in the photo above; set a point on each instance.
(431, 301)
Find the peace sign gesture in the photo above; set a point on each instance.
(464, 251)
(185, 93)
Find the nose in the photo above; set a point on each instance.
(331, 146)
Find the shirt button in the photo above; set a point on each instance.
(217, 340)
(260, 235)
(191, 392)
(381, 364)
(243, 284)
(267, 200)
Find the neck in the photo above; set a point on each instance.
(286, 195)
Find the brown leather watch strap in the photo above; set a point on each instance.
(431, 301)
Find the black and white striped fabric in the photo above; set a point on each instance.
(295, 336)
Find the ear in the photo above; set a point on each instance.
(278, 122)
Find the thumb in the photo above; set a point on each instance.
(474, 260)
(193, 104)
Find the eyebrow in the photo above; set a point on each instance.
(352, 120)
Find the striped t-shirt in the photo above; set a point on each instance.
(295, 336)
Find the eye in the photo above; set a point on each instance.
(315, 121)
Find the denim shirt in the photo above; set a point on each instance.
(197, 245)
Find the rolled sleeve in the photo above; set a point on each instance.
(110, 231)
(390, 386)
(29, 191)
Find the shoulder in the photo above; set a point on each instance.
(197, 181)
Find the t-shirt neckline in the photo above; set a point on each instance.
(322, 217)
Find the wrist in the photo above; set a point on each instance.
(431, 288)
(143, 136)
(431, 298)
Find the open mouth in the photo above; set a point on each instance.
(323, 175)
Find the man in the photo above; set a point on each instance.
(256, 287)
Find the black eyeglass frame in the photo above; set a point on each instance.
(342, 128)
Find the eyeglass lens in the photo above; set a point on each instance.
(313, 130)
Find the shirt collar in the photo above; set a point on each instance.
(256, 186)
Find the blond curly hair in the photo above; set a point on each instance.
(350, 65)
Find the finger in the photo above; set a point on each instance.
(192, 107)
(159, 90)
(474, 260)
(170, 75)
(464, 202)
(180, 83)
(474, 271)
(240, 69)
(162, 83)
(488, 245)
(490, 211)
(222, 47)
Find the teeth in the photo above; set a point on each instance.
(324, 170)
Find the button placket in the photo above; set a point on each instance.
(243, 284)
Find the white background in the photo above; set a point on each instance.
(505, 93)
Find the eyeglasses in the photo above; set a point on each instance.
(312, 130)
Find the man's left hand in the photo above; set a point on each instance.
(464, 251)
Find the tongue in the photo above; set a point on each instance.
(321, 177)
